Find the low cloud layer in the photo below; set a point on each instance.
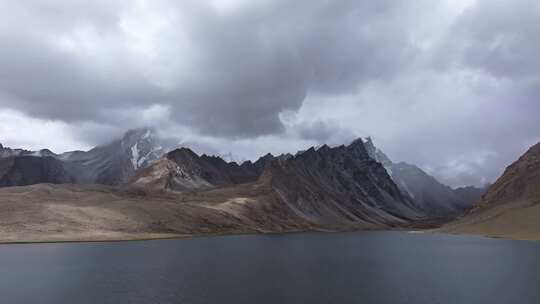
(452, 86)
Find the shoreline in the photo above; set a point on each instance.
(193, 236)
(156, 237)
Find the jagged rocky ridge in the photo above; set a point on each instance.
(325, 187)
(184, 170)
(341, 184)
(353, 186)
(338, 188)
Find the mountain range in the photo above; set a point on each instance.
(140, 159)
(346, 187)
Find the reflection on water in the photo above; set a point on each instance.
(363, 267)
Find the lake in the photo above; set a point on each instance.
(356, 267)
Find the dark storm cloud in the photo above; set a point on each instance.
(39, 78)
(247, 65)
(51, 85)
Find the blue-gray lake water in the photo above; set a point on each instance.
(361, 267)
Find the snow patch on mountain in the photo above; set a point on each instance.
(135, 156)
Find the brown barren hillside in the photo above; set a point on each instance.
(47, 212)
(511, 206)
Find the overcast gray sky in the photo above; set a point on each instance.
(452, 86)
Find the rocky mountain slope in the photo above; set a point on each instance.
(48, 212)
(341, 184)
(28, 170)
(323, 186)
(428, 193)
(183, 170)
(333, 189)
(153, 193)
(511, 206)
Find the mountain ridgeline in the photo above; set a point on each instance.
(341, 184)
(337, 188)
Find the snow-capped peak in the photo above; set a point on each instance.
(143, 145)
